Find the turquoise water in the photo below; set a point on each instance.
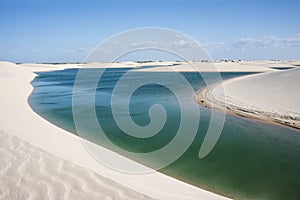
(251, 160)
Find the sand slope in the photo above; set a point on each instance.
(27, 172)
(271, 97)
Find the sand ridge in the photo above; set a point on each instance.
(271, 97)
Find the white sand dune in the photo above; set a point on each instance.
(45, 161)
(236, 66)
(27, 172)
(270, 97)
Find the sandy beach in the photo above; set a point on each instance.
(269, 97)
(40, 160)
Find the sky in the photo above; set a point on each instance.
(66, 31)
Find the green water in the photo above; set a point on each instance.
(251, 160)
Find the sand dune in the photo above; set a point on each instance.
(271, 97)
(27, 172)
(234, 66)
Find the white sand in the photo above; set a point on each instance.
(270, 97)
(236, 66)
(27, 172)
(45, 160)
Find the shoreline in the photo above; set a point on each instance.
(37, 131)
(208, 99)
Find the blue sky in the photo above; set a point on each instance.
(65, 31)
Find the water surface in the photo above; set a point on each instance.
(250, 161)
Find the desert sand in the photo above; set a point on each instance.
(193, 66)
(42, 161)
(271, 97)
(28, 172)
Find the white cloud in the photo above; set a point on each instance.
(211, 44)
(142, 44)
(292, 41)
(183, 43)
(267, 42)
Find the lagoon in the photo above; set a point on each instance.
(251, 160)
